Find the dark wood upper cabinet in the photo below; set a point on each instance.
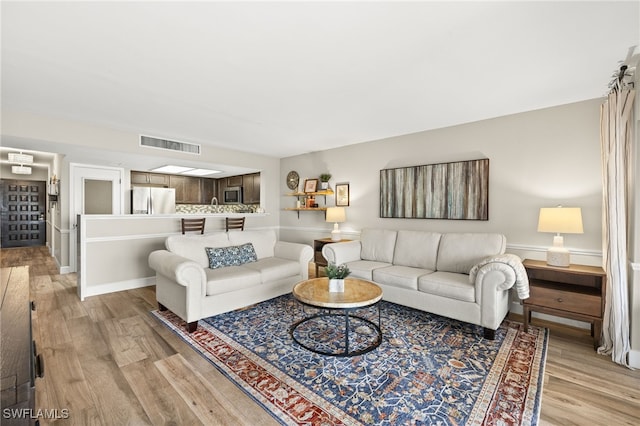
(145, 178)
(234, 181)
(188, 189)
(251, 188)
(196, 190)
(209, 190)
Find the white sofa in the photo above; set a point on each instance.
(465, 276)
(187, 286)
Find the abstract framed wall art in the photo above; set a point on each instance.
(457, 190)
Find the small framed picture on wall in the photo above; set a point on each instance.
(342, 194)
(310, 185)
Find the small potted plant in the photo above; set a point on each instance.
(336, 275)
(324, 180)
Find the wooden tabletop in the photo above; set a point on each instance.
(573, 268)
(357, 293)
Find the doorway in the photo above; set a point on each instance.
(94, 190)
(22, 213)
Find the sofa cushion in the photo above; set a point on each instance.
(263, 241)
(400, 276)
(448, 284)
(417, 248)
(193, 246)
(274, 268)
(231, 278)
(378, 244)
(228, 256)
(364, 268)
(459, 252)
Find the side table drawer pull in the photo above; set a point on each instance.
(559, 299)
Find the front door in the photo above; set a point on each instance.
(23, 213)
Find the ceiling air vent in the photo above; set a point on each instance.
(190, 148)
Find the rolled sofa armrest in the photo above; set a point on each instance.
(177, 268)
(509, 266)
(302, 253)
(293, 251)
(340, 253)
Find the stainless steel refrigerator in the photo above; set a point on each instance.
(148, 200)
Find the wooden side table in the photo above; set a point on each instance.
(575, 292)
(318, 258)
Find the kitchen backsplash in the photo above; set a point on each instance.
(225, 208)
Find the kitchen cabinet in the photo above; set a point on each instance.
(188, 189)
(209, 190)
(145, 178)
(251, 188)
(234, 181)
(197, 190)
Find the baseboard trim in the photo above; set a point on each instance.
(118, 286)
(634, 359)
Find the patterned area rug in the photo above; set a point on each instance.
(427, 370)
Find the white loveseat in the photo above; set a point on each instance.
(187, 286)
(464, 276)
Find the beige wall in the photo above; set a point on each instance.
(537, 159)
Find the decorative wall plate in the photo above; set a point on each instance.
(293, 180)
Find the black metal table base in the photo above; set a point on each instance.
(345, 312)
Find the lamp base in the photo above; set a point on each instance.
(558, 256)
(335, 234)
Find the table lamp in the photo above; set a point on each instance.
(336, 215)
(560, 220)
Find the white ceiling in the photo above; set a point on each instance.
(287, 78)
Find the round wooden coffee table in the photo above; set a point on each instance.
(358, 294)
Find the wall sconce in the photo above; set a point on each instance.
(336, 215)
(560, 220)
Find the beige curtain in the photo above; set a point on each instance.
(615, 137)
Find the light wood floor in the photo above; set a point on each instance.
(108, 362)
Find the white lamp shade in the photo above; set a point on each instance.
(561, 220)
(336, 214)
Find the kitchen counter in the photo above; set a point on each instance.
(222, 209)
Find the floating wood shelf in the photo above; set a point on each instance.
(304, 194)
(302, 209)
